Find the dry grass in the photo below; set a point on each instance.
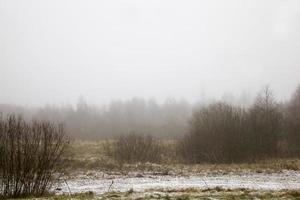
(91, 156)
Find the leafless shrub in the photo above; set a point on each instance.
(216, 135)
(133, 148)
(224, 133)
(30, 156)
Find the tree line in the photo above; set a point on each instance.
(221, 132)
(86, 121)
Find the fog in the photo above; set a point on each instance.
(52, 52)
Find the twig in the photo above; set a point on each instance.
(205, 182)
(112, 182)
(67, 186)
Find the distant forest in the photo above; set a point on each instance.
(171, 119)
(84, 121)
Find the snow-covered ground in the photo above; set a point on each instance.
(103, 183)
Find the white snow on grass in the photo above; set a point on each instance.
(257, 181)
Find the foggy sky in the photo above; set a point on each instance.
(56, 50)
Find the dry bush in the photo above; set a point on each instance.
(30, 156)
(134, 148)
(216, 135)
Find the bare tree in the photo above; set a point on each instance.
(265, 125)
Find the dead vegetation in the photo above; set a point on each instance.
(90, 156)
(134, 148)
(31, 154)
(223, 133)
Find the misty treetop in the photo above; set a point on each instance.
(85, 121)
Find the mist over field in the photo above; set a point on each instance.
(53, 52)
(149, 99)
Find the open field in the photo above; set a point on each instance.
(87, 155)
(92, 174)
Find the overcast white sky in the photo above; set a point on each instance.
(56, 50)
